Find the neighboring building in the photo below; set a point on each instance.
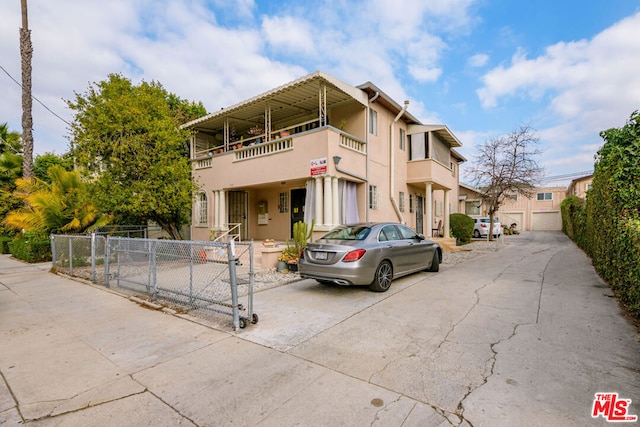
(318, 148)
(580, 186)
(540, 212)
(470, 199)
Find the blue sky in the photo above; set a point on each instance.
(568, 69)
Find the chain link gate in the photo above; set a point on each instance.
(202, 278)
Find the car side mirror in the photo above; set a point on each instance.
(420, 236)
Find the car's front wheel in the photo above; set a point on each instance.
(382, 280)
(435, 263)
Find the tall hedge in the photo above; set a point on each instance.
(612, 224)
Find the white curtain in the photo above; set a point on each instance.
(418, 147)
(347, 192)
(310, 201)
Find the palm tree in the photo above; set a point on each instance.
(62, 206)
(26, 52)
(9, 141)
(10, 169)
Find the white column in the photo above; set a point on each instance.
(318, 214)
(327, 200)
(223, 209)
(216, 209)
(428, 201)
(447, 212)
(335, 203)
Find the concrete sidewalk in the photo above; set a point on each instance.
(524, 336)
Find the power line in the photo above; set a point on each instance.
(36, 99)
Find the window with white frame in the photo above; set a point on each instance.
(411, 203)
(401, 201)
(403, 139)
(202, 209)
(283, 205)
(544, 196)
(373, 197)
(373, 121)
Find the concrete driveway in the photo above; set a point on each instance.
(523, 336)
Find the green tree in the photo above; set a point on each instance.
(127, 138)
(64, 205)
(43, 162)
(10, 141)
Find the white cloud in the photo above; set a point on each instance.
(584, 78)
(288, 33)
(478, 60)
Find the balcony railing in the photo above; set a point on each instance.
(263, 149)
(349, 141)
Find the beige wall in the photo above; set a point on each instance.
(525, 207)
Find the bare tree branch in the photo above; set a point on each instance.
(507, 165)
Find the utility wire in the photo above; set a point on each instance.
(37, 100)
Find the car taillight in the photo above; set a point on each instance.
(483, 225)
(354, 255)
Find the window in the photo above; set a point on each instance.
(513, 196)
(403, 139)
(401, 201)
(544, 196)
(411, 203)
(453, 169)
(202, 209)
(589, 187)
(373, 121)
(373, 197)
(283, 205)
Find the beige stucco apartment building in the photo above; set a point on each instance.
(320, 149)
(580, 186)
(540, 212)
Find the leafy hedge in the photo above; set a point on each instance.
(461, 226)
(607, 227)
(31, 246)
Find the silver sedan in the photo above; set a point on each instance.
(368, 254)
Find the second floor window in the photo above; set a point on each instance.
(403, 139)
(373, 121)
(544, 196)
(401, 201)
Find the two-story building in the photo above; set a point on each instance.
(580, 186)
(540, 212)
(320, 149)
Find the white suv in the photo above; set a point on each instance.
(481, 227)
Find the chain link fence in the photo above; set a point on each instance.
(205, 279)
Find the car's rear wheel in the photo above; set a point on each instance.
(435, 263)
(382, 280)
(476, 234)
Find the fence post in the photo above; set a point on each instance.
(53, 249)
(153, 271)
(191, 273)
(231, 255)
(93, 257)
(107, 255)
(70, 256)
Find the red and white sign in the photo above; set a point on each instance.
(612, 408)
(318, 166)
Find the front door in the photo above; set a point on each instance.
(297, 206)
(238, 213)
(419, 214)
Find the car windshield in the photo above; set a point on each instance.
(357, 232)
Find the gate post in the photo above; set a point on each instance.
(231, 255)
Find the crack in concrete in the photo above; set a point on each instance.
(493, 360)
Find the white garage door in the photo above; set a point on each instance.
(546, 221)
(508, 218)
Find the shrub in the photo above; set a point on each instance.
(461, 227)
(31, 246)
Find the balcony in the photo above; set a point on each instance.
(430, 170)
(287, 156)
